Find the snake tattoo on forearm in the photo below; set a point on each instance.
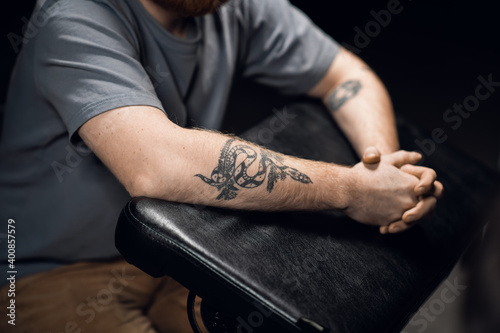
(231, 173)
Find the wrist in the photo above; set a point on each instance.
(348, 187)
(383, 148)
(336, 187)
(387, 148)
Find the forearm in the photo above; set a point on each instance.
(367, 118)
(213, 169)
(360, 104)
(155, 158)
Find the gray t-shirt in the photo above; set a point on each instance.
(85, 57)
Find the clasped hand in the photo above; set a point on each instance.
(392, 192)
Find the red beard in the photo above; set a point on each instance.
(191, 8)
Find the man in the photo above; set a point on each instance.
(131, 79)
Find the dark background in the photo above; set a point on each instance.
(429, 56)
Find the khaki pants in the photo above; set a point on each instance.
(97, 297)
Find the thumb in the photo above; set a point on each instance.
(402, 157)
(371, 156)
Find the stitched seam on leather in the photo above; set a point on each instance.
(230, 279)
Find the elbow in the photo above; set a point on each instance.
(140, 186)
(152, 187)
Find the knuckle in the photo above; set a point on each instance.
(395, 216)
(406, 168)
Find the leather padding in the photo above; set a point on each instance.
(321, 266)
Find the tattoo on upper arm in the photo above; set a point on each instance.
(231, 173)
(343, 94)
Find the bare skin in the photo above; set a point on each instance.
(428, 190)
(162, 160)
(153, 157)
(361, 106)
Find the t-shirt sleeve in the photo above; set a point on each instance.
(285, 49)
(87, 63)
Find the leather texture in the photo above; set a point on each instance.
(310, 268)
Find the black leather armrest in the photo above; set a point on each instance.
(306, 271)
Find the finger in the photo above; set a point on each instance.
(402, 157)
(438, 190)
(371, 156)
(427, 177)
(399, 226)
(384, 229)
(423, 207)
